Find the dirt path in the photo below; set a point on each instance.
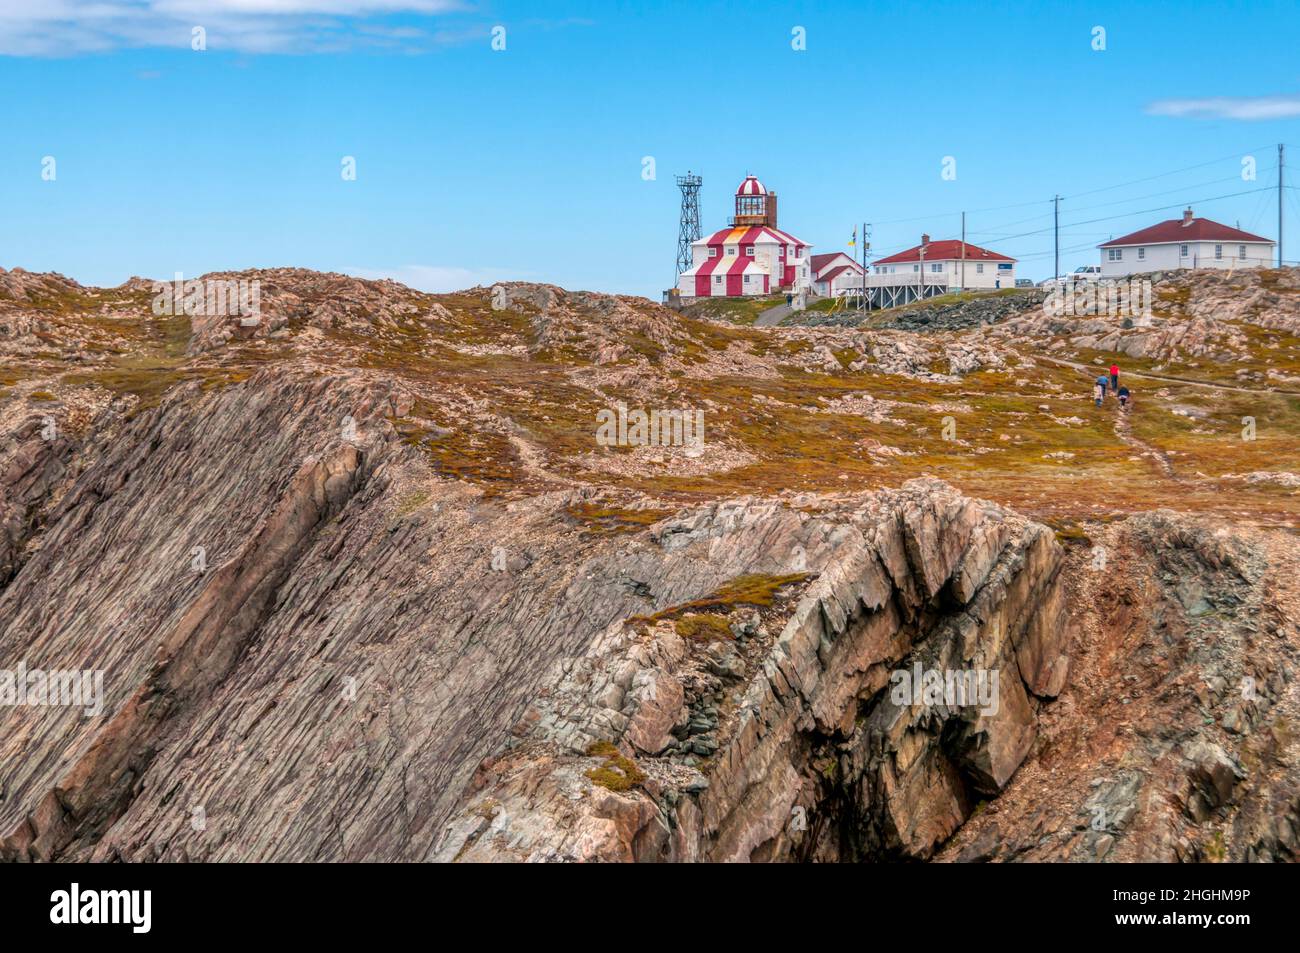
(1172, 380)
(1124, 426)
(1124, 430)
(773, 316)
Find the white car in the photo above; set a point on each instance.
(1084, 273)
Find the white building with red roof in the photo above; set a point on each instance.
(752, 257)
(836, 274)
(933, 268)
(1189, 242)
(943, 266)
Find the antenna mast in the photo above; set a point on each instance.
(688, 230)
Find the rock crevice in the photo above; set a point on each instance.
(816, 755)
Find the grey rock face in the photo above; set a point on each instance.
(310, 649)
(819, 733)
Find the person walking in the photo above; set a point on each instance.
(1098, 392)
(1102, 382)
(1123, 398)
(1114, 377)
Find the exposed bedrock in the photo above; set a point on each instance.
(33, 461)
(309, 643)
(315, 647)
(820, 752)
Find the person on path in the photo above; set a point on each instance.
(1123, 398)
(789, 300)
(1102, 381)
(1098, 392)
(1114, 377)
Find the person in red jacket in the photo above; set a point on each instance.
(1114, 377)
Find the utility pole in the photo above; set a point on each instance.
(963, 252)
(862, 304)
(866, 251)
(1056, 234)
(920, 288)
(1281, 159)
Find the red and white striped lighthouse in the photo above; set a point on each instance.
(752, 257)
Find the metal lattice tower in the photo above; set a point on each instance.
(689, 230)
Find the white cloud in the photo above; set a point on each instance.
(69, 27)
(191, 8)
(1229, 107)
(437, 279)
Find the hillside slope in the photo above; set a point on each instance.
(364, 584)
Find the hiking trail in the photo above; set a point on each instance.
(1091, 369)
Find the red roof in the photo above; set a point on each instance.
(751, 186)
(835, 272)
(948, 250)
(1196, 230)
(821, 261)
(750, 235)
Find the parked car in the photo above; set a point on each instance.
(1024, 282)
(1083, 273)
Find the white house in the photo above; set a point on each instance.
(1189, 242)
(945, 263)
(753, 257)
(835, 274)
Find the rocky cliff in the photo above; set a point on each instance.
(783, 737)
(361, 585)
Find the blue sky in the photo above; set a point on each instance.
(475, 164)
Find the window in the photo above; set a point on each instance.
(936, 266)
(1182, 251)
(1241, 252)
(1142, 254)
(731, 250)
(747, 277)
(798, 253)
(1218, 251)
(713, 253)
(916, 267)
(1114, 254)
(717, 279)
(749, 250)
(979, 268)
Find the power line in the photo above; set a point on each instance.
(1029, 256)
(1107, 188)
(1158, 208)
(1152, 195)
(1132, 198)
(992, 233)
(1072, 225)
(972, 211)
(1161, 175)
